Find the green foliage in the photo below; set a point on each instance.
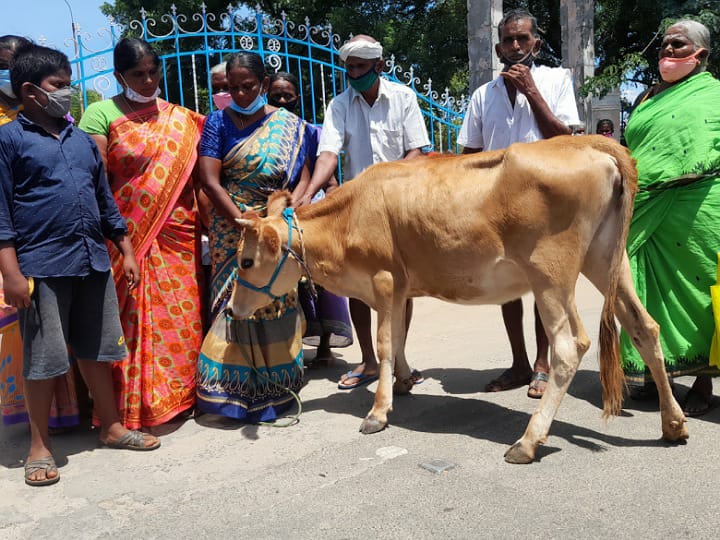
(124, 11)
(428, 35)
(431, 35)
(547, 13)
(76, 105)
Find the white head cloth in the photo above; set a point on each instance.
(361, 49)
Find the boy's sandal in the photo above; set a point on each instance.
(132, 440)
(45, 464)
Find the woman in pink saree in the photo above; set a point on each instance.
(151, 148)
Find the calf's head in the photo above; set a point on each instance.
(266, 268)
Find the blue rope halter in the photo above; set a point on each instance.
(288, 215)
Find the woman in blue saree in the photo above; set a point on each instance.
(247, 367)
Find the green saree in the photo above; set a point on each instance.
(675, 230)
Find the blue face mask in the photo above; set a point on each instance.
(259, 102)
(5, 86)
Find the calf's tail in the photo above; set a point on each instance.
(612, 377)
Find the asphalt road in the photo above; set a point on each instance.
(323, 479)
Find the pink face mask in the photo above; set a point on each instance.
(674, 69)
(222, 100)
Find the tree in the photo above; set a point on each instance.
(76, 111)
(429, 35)
(547, 13)
(124, 11)
(628, 33)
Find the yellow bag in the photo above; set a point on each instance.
(715, 296)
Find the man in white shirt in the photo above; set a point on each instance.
(525, 104)
(372, 121)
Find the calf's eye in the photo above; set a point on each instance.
(246, 263)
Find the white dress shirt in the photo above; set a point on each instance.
(384, 132)
(492, 123)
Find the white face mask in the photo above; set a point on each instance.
(132, 95)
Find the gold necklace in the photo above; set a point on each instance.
(127, 102)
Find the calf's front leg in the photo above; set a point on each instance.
(390, 320)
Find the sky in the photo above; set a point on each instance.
(51, 19)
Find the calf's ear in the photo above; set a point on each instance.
(271, 240)
(277, 202)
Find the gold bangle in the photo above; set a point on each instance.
(31, 286)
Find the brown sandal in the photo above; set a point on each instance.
(132, 440)
(48, 465)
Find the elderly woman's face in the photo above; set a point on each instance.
(676, 44)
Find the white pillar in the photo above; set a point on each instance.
(483, 19)
(578, 49)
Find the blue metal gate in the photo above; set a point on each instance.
(189, 45)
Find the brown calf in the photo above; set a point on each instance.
(477, 229)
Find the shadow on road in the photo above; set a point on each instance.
(478, 417)
(16, 442)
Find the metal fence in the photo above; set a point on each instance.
(189, 45)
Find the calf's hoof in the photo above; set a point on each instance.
(372, 425)
(402, 386)
(676, 431)
(519, 455)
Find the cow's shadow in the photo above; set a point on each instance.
(480, 418)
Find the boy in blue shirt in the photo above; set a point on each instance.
(56, 209)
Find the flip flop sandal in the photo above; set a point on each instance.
(361, 380)
(132, 440)
(48, 465)
(537, 377)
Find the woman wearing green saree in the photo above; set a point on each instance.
(674, 134)
(248, 367)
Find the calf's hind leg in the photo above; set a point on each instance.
(645, 332)
(568, 344)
